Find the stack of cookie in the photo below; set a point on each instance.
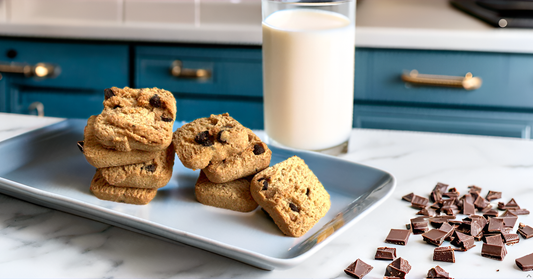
(130, 144)
(228, 155)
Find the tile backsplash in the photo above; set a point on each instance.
(195, 12)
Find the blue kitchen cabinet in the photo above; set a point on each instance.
(231, 80)
(502, 106)
(84, 70)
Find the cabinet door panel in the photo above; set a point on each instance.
(501, 124)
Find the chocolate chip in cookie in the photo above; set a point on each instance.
(294, 207)
(150, 168)
(108, 93)
(155, 101)
(259, 149)
(165, 118)
(203, 138)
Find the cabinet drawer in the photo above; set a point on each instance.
(248, 112)
(234, 71)
(83, 65)
(486, 123)
(507, 79)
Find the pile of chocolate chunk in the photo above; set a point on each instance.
(483, 223)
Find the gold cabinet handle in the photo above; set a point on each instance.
(40, 70)
(467, 82)
(177, 70)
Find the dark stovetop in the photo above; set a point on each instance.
(499, 13)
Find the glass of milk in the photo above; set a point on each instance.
(308, 73)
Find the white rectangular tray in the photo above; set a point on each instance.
(45, 167)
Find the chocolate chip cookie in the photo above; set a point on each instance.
(255, 158)
(152, 174)
(102, 190)
(233, 195)
(292, 195)
(136, 119)
(101, 157)
(213, 138)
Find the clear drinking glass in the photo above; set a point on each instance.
(308, 73)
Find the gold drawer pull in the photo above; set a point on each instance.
(40, 70)
(467, 82)
(177, 70)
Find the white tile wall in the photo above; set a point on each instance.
(230, 12)
(196, 12)
(160, 11)
(65, 10)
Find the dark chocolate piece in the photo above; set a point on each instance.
(166, 119)
(434, 236)
(419, 225)
(294, 207)
(155, 101)
(258, 149)
(493, 251)
(494, 239)
(438, 272)
(398, 268)
(525, 263)
(490, 213)
(451, 195)
(385, 253)
(464, 241)
(510, 238)
(150, 168)
(525, 231)
(480, 203)
(429, 212)
(408, 197)
(358, 269)
(474, 189)
(444, 254)
(108, 93)
(509, 219)
(399, 237)
(448, 229)
(203, 138)
(468, 206)
(440, 187)
(520, 211)
(419, 202)
(493, 195)
(495, 225)
(509, 205)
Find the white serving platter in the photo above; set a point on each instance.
(46, 167)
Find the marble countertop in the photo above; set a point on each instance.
(38, 242)
(410, 24)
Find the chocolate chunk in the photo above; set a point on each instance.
(166, 119)
(108, 93)
(80, 146)
(419, 225)
(438, 272)
(480, 203)
(358, 269)
(493, 251)
(419, 202)
(429, 212)
(440, 187)
(155, 101)
(494, 239)
(495, 225)
(398, 268)
(520, 211)
(525, 263)
(265, 184)
(468, 207)
(490, 213)
(464, 241)
(385, 253)
(444, 254)
(436, 197)
(510, 238)
(294, 207)
(203, 138)
(400, 237)
(509, 205)
(493, 195)
(437, 222)
(474, 189)
(259, 149)
(525, 231)
(451, 195)
(434, 236)
(408, 197)
(150, 168)
(509, 219)
(448, 229)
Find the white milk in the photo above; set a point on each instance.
(308, 71)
